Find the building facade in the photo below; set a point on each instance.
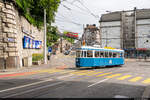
(128, 30)
(91, 35)
(15, 50)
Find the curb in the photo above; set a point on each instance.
(146, 93)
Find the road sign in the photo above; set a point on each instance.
(49, 49)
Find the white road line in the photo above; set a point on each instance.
(65, 76)
(98, 82)
(33, 89)
(25, 85)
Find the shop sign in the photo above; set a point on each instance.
(141, 48)
(49, 49)
(11, 40)
(31, 44)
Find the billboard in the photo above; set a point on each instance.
(25, 42)
(72, 35)
(31, 44)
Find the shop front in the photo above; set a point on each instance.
(139, 53)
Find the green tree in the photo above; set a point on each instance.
(52, 36)
(33, 10)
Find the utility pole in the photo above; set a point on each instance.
(45, 50)
(61, 45)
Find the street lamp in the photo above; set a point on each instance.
(45, 47)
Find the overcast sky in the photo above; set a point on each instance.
(72, 14)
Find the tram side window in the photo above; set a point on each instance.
(106, 54)
(101, 54)
(97, 54)
(78, 53)
(85, 54)
(114, 55)
(110, 54)
(89, 54)
(118, 55)
(82, 53)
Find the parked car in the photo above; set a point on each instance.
(67, 52)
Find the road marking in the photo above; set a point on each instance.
(114, 75)
(93, 73)
(25, 85)
(82, 78)
(47, 70)
(55, 71)
(84, 73)
(124, 77)
(135, 79)
(78, 72)
(146, 81)
(66, 71)
(103, 74)
(31, 90)
(65, 76)
(98, 82)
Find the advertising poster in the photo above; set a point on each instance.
(26, 42)
(40, 44)
(30, 43)
(36, 44)
(33, 44)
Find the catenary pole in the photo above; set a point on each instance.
(45, 49)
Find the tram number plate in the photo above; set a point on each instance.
(110, 61)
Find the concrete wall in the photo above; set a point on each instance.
(12, 25)
(143, 30)
(110, 34)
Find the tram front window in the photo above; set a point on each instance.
(89, 54)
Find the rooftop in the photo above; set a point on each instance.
(116, 16)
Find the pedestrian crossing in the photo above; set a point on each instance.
(124, 77)
(99, 74)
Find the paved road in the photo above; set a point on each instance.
(128, 81)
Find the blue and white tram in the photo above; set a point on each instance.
(88, 56)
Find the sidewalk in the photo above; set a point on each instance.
(54, 62)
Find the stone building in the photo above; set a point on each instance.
(91, 35)
(128, 30)
(13, 29)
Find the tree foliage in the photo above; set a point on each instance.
(52, 36)
(33, 10)
(71, 40)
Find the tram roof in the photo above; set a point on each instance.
(99, 49)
